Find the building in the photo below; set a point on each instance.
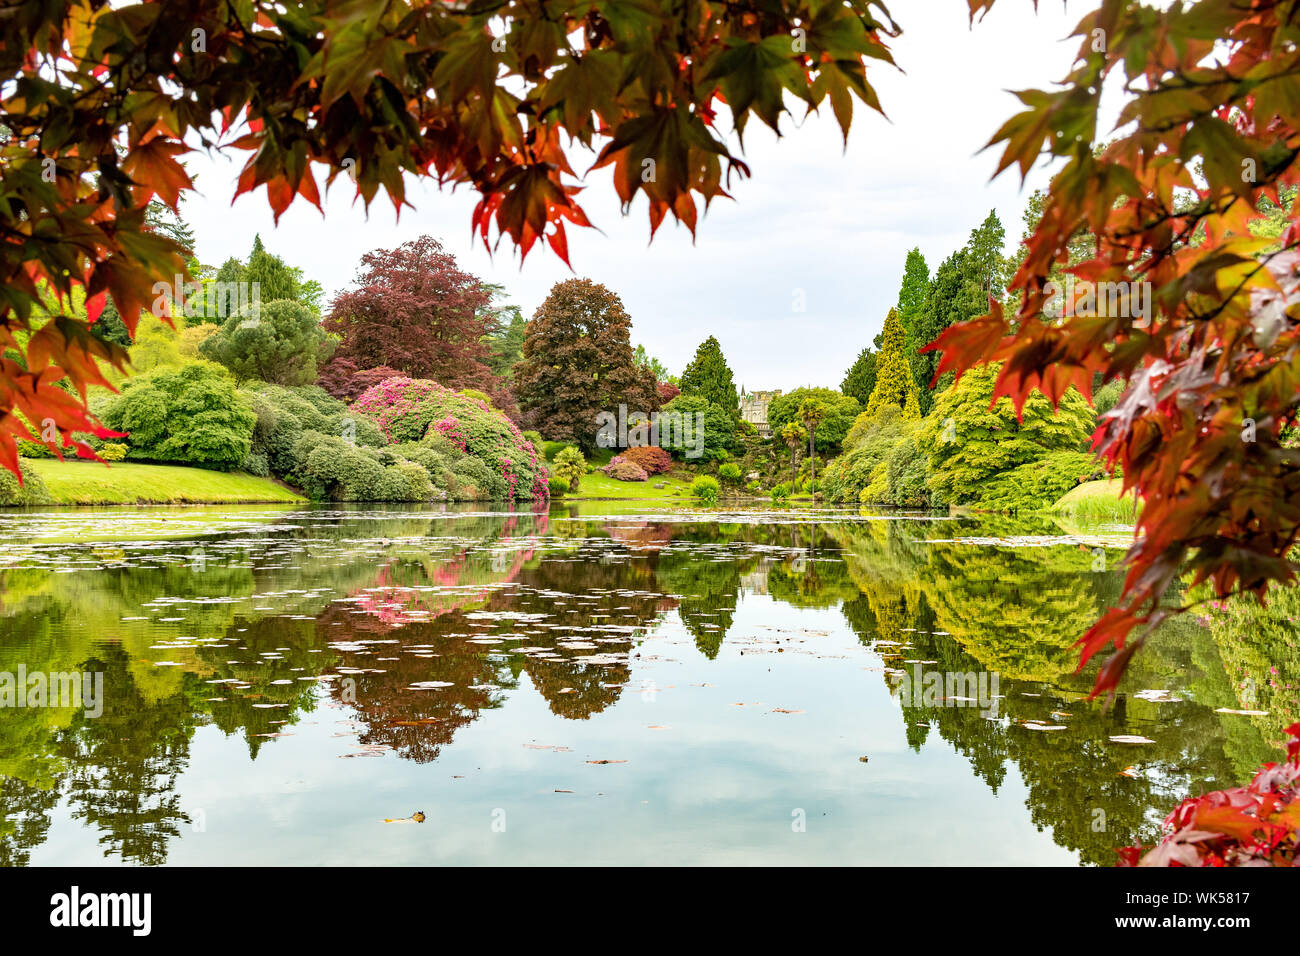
(753, 409)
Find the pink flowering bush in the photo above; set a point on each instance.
(418, 410)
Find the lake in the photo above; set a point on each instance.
(593, 682)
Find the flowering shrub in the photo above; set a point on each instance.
(1255, 825)
(652, 458)
(418, 410)
(622, 470)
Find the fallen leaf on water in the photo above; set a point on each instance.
(1128, 772)
(782, 710)
(606, 761)
(416, 817)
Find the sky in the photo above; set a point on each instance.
(818, 224)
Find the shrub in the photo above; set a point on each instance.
(478, 481)
(112, 451)
(571, 466)
(191, 414)
(559, 487)
(705, 488)
(417, 484)
(969, 440)
(754, 487)
(280, 341)
(652, 458)
(284, 414)
(622, 470)
(534, 437)
(407, 409)
(730, 472)
(1038, 485)
(781, 492)
(31, 492)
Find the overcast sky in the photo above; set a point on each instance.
(834, 223)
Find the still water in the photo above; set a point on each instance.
(594, 683)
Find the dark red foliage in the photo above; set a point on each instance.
(652, 458)
(1255, 825)
(668, 391)
(345, 381)
(413, 309)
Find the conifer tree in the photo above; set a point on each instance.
(709, 377)
(894, 385)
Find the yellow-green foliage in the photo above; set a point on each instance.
(967, 442)
(571, 466)
(894, 384)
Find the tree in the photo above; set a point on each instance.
(969, 439)
(657, 368)
(412, 308)
(102, 99)
(894, 385)
(860, 379)
(914, 290)
(280, 342)
(841, 410)
(811, 412)
(505, 335)
(1211, 352)
(708, 376)
(578, 362)
(794, 435)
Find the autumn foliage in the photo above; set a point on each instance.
(1255, 825)
(102, 103)
(1210, 129)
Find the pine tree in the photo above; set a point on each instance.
(709, 377)
(894, 385)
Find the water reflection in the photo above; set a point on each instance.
(402, 629)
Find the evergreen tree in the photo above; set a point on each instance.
(915, 289)
(709, 377)
(894, 385)
(860, 379)
(275, 279)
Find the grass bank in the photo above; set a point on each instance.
(1097, 501)
(677, 485)
(91, 483)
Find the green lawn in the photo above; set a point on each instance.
(1096, 501)
(91, 483)
(597, 485)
